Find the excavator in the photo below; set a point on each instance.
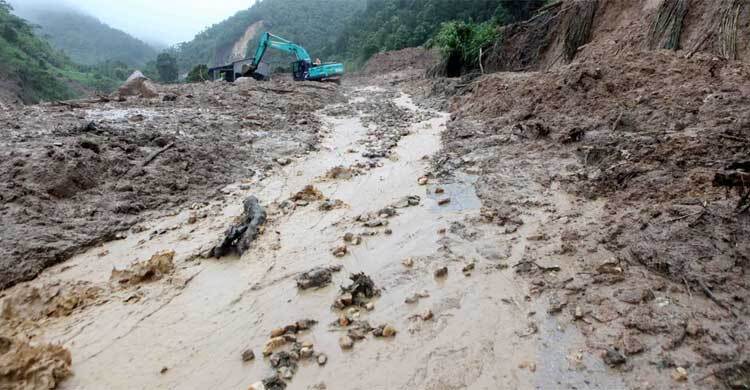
(304, 69)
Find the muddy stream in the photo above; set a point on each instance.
(188, 331)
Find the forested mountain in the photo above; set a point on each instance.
(395, 24)
(347, 30)
(31, 70)
(315, 24)
(84, 38)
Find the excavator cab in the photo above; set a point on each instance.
(300, 70)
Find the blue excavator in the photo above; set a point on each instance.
(303, 69)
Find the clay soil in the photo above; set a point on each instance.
(78, 173)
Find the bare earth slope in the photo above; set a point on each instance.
(657, 277)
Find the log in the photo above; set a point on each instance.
(156, 154)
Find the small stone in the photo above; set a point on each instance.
(423, 294)
(441, 272)
(248, 355)
(348, 237)
(578, 313)
(344, 300)
(272, 344)
(632, 345)
(283, 161)
(346, 342)
(344, 320)
(389, 331)
(357, 240)
(340, 251)
(426, 315)
(439, 190)
(164, 370)
(322, 359)
(444, 201)
(277, 332)
(693, 328)
(388, 232)
(286, 373)
(422, 180)
(305, 352)
(412, 299)
(613, 357)
(257, 386)
(468, 268)
(369, 306)
(192, 218)
(680, 374)
(408, 262)
(307, 344)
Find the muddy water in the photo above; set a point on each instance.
(197, 323)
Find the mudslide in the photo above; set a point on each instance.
(435, 304)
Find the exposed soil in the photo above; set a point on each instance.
(75, 174)
(578, 222)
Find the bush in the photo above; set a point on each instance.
(198, 74)
(461, 43)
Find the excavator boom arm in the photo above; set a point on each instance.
(278, 43)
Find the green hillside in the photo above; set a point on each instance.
(315, 24)
(39, 72)
(85, 39)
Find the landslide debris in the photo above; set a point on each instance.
(52, 300)
(27, 367)
(317, 277)
(239, 237)
(649, 135)
(73, 174)
(155, 268)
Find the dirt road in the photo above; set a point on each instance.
(474, 327)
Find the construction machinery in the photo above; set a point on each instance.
(303, 69)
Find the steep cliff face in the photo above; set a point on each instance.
(594, 29)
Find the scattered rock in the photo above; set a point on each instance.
(441, 272)
(408, 262)
(346, 342)
(248, 355)
(612, 357)
(369, 306)
(426, 315)
(283, 161)
(272, 344)
(444, 201)
(439, 190)
(358, 293)
(340, 251)
(308, 194)
(163, 370)
(305, 352)
(468, 268)
(316, 278)
(322, 359)
(331, 204)
(384, 331)
(388, 232)
(422, 180)
(680, 374)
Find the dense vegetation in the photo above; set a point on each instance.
(464, 25)
(84, 38)
(353, 30)
(35, 71)
(315, 24)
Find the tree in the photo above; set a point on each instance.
(198, 74)
(166, 65)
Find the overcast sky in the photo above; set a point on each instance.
(162, 21)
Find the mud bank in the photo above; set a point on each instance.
(403, 263)
(75, 174)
